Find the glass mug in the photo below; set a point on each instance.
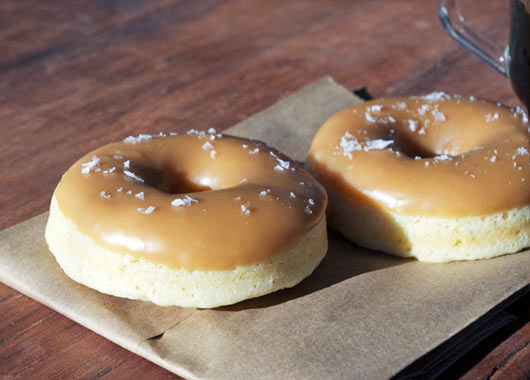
(512, 61)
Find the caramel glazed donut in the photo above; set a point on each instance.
(438, 178)
(198, 220)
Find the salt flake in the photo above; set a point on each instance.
(87, 166)
(104, 194)
(369, 117)
(187, 201)
(522, 151)
(147, 210)
(132, 175)
(139, 138)
(207, 146)
(437, 95)
(490, 117)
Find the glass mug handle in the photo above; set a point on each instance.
(454, 23)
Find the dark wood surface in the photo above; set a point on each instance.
(76, 75)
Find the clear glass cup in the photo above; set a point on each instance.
(511, 60)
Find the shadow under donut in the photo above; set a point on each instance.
(343, 261)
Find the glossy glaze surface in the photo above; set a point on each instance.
(196, 201)
(435, 155)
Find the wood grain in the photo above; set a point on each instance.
(510, 359)
(75, 75)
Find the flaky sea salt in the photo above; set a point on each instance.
(132, 175)
(245, 208)
(147, 210)
(349, 144)
(423, 109)
(139, 138)
(413, 125)
(443, 157)
(104, 194)
(253, 151)
(369, 117)
(207, 146)
(87, 166)
(282, 165)
(140, 195)
(292, 195)
(524, 115)
(522, 151)
(490, 117)
(308, 209)
(187, 201)
(378, 144)
(438, 116)
(437, 95)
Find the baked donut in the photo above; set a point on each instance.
(437, 177)
(199, 219)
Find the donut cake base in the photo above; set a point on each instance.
(430, 239)
(119, 274)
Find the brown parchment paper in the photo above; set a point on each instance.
(361, 315)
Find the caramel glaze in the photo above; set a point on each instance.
(434, 155)
(248, 202)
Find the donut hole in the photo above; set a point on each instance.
(409, 144)
(412, 148)
(169, 180)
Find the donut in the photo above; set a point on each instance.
(196, 220)
(435, 177)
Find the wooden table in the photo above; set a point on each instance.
(76, 75)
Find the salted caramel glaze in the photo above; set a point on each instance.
(199, 201)
(437, 155)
